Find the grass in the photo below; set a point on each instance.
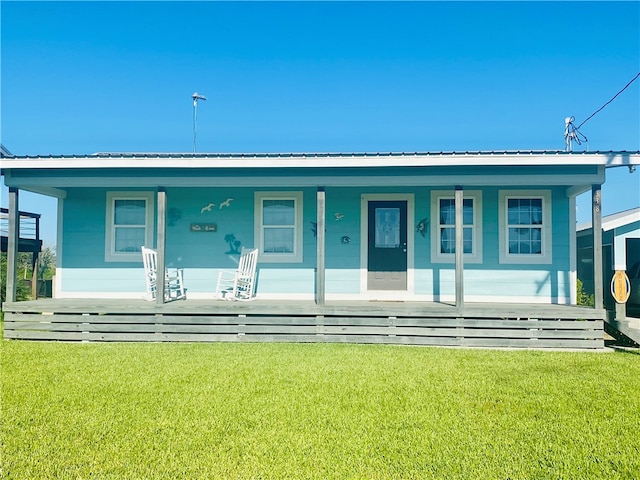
(144, 411)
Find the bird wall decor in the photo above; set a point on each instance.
(207, 208)
(226, 203)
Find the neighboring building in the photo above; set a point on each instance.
(620, 248)
(389, 222)
(620, 252)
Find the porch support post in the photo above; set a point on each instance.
(34, 275)
(160, 244)
(596, 214)
(459, 248)
(12, 245)
(320, 232)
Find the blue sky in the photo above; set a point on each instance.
(85, 77)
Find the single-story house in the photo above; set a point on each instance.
(331, 230)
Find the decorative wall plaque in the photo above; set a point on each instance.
(203, 227)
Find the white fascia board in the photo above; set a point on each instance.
(329, 161)
(622, 220)
(41, 184)
(615, 220)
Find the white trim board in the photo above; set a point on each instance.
(364, 235)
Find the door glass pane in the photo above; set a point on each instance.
(387, 227)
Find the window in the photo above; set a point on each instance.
(443, 231)
(525, 227)
(129, 225)
(278, 223)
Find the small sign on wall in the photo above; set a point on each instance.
(620, 287)
(203, 227)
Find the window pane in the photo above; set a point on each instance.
(467, 211)
(524, 216)
(448, 211)
(448, 234)
(467, 240)
(536, 211)
(536, 247)
(129, 239)
(129, 212)
(524, 211)
(278, 212)
(525, 241)
(512, 211)
(387, 227)
(278, 240)
(447, 240)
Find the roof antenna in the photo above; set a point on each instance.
(571, 134)
(196, 96)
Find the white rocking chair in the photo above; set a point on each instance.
(173, 283)
(239, 284)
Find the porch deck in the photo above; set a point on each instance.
(408, 323)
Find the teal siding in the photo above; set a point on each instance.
(109, 280)
(203, 254)
(542, 284)
(342, 260)
(83, 266)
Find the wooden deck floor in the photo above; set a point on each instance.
(421, 323)
(283, 307)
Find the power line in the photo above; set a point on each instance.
(625, 87)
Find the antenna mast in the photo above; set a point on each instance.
(196, 96)
(571, 134)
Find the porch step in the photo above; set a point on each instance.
(629, 328)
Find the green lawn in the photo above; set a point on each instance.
(129, 411)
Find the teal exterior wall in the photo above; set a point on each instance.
(203, 254)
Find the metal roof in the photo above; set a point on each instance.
(188, 155)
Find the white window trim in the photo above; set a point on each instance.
(109, 254)
(296, 256)
(476, 255)
(546, 257)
